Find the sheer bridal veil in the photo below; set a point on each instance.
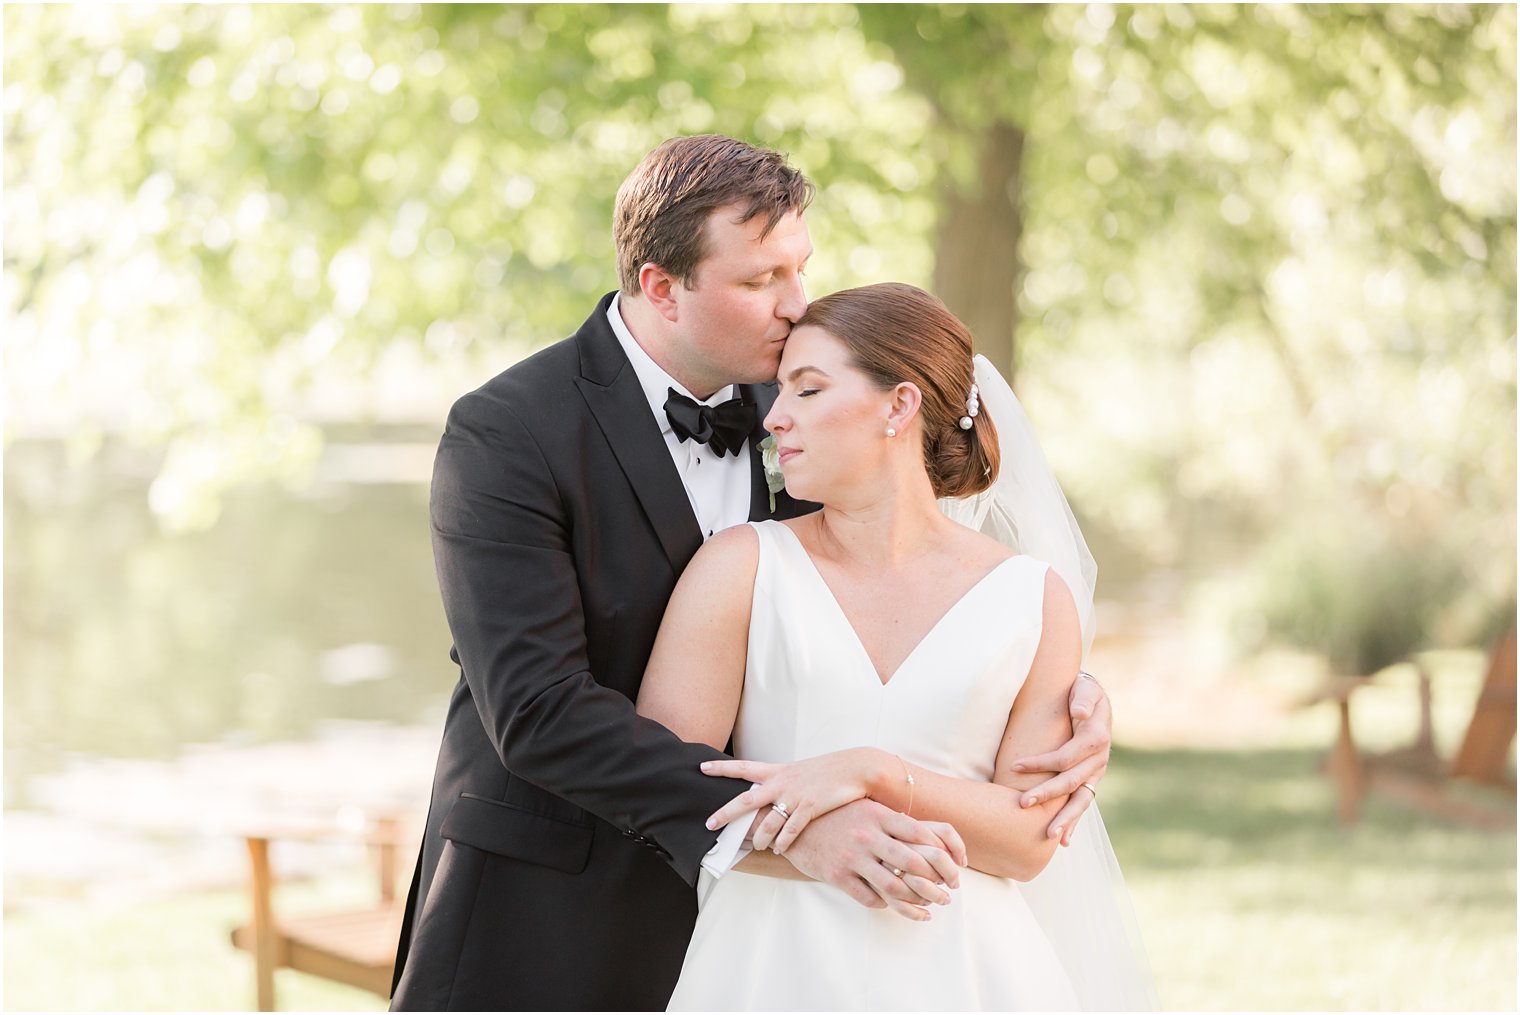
(1079, 899)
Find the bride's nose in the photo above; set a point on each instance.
(776, 420)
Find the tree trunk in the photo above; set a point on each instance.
(977, 271)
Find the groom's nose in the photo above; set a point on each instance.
(793, 301)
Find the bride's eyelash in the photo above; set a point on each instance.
(805, 392)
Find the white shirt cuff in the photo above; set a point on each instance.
(730, 847)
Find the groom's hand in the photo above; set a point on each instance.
(857, 847)
(1079, 763)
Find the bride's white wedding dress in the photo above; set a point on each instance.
(810, 688)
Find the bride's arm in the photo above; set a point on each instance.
(695, 673)
(1001, 837)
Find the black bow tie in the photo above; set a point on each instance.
(723, 427)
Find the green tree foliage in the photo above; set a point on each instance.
(1259, 260)
(1360, 600)
(210, 209)
(1266, 271)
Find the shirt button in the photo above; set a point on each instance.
(709, 533)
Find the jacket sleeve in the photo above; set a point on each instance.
(513, 603)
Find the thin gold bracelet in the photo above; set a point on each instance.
(911, 784)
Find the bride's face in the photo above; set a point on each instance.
(829, 420)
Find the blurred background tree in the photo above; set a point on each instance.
(1243, 249)
(1254, 265)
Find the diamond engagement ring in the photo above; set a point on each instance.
(781, 809)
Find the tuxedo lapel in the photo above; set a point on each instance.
(764, 396)
(615, 398)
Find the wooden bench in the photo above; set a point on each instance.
(356, 947)
(1416, 774)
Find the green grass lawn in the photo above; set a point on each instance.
(169, 955)
(1248, 895)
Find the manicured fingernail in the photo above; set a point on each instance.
(707, 766)
(711, 824)
(1055, 833)
(1031, 800)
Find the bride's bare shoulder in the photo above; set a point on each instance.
(720, 578)
(734, 548)
(733, 553)
(976, 549)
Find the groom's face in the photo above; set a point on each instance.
(744, 298)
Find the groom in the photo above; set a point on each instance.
(565, 832)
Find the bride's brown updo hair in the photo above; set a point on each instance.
(896, 333)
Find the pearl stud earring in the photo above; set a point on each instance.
(891, 432)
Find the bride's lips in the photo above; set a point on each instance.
(784, 455)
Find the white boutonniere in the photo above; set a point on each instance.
(770, 461)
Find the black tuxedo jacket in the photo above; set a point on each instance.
(565, 831)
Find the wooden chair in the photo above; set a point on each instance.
(356, 947)
(1485, 748)
(1416, 774)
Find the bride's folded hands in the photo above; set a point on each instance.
(886, 858)
(1003, 836)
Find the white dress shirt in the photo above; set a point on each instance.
(718, 487)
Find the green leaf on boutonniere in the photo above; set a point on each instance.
(770, 461)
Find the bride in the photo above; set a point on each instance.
(885, 648)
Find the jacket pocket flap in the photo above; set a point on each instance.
(522, 835)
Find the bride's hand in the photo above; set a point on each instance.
(789, 796)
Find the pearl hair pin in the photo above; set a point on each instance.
(973, 406)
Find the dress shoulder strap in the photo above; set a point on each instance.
(784, 568)
(770, 534)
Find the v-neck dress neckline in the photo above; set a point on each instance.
(854, 633)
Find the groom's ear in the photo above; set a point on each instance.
(906, 401)
(660, 288)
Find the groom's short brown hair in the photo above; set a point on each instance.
(661, 211)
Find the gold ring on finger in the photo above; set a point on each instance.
(1091, 789)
